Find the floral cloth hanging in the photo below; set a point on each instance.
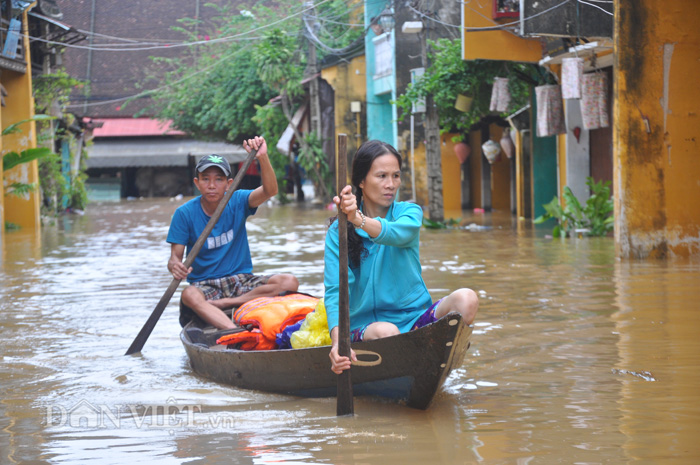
(550, 114)
(571, 76)
(594, 103)
(500, 95)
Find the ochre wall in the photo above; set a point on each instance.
(494, 45)
(348, 81)
(23, 211)
(656, 135)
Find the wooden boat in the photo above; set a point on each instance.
(411, 367)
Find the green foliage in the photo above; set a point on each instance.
(53, 183)
(595, 216)
(279, 63)
(15, 127)
(313, 160)
(212, 90)
(222, 108)
(449, 75)
(78, 192)
(12, 159)
(447, 224)
(20, 189)
(271, 120)
(54, 89)
(9, 226)
(332, 22)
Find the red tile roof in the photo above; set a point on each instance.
(133, 127)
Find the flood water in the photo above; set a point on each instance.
(576, 357)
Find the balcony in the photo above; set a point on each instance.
(12, 53)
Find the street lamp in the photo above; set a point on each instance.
(386, 20)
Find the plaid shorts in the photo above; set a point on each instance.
(231, 286)
(358, 335)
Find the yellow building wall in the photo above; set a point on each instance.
(2, 183)
(23, 211)
(494, 45)
(348, 81)
(656, 136)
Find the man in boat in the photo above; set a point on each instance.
(387, 293)
(221, 276)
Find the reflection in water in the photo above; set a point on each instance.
(576, 357)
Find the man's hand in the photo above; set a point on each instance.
(175, 265)
(257, 143)
(178, 269)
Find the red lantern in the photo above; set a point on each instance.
(462, 150)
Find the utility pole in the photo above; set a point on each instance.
(312, 70)
(432, 142)
(314, 93)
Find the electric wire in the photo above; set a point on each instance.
(181, 44)
(596, 6)
(158, 89)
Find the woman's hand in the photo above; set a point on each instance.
(347, 203)
(338, 363)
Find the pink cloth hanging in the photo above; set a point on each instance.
(594, 102)
(571, 76)
(550, 113)
(500, 95)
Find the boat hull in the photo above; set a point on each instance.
(411, 367)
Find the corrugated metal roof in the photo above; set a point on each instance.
(133, 127)
(167, 152)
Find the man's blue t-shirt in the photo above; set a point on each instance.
(226, 251)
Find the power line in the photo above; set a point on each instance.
(152, 91)
(180, 44)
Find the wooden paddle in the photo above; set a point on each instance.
(344, 401)
(145, 332)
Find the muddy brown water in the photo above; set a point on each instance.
(576, 357)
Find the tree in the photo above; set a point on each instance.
(222, 89)
(211, 90)
(59, 190)
(281, 66)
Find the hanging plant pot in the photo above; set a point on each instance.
(507, 143)
(462, 151)
(463, 103)
(492, 151)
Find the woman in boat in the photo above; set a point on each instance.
(387, 293)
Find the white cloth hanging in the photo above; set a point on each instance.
(500, 95)
(550, 112)
(571, 76)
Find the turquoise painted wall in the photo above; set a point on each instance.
(544, 166)
(381, 114)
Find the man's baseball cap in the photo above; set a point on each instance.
(214, 160)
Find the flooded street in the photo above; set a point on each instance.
(576, 357)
